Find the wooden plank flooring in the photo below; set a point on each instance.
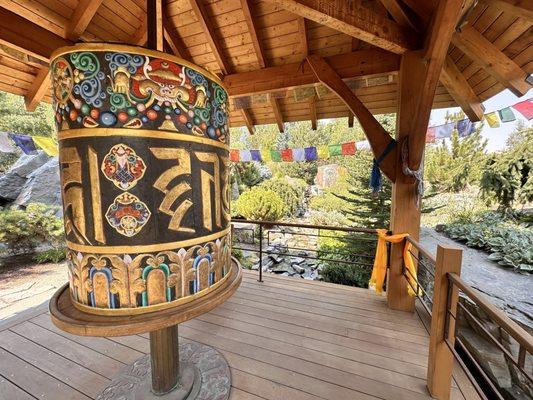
(283, 338)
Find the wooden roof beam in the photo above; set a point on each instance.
(350, 120)
(302, 29)
(277, 113)
(518, 8)
(81, 17)
(248, 121)
(38, 89)
(289, 76)
(377, 136)
(250, 22)
(458, 87)
(362, 23)
(209, 30)
(312, 109)
(400, 14)
(483, 52)
(27, 37)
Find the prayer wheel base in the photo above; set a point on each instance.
(204, 375)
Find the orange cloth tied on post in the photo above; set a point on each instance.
(377, 280)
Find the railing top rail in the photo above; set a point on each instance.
(295, 225)
(422, 249)
(498, 316)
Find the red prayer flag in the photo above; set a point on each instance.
(286, 155)
(348, 149)
(430, 135)
(525, 108)
(234, 155)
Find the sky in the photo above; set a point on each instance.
(496, 136)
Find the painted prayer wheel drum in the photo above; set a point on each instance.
(144, 159)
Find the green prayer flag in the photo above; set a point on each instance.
(275, 155)
(335, 150)
(507, 115)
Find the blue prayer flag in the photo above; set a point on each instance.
(256, 155)
(311, 153)
(465, 127)
(25, 142)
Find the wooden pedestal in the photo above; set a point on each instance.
(168, 378)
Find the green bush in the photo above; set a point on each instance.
(53, 255)
(260, 204)
(25, 230)
(291, 191)
(506, 241)
(346, 274)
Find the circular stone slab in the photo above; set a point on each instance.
(204, 374)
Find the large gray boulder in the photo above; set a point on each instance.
(42, 185)
(12, 182)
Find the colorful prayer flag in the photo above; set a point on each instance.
(6, 144)
(506, 114)
(286, 155)
(465, 127)
(246, 156)
(25, 142)
(348, 149)
(493, 120)
(525, 108)
(234, 155)
(265, 155)
(335, 150)
(444, 131)
(256, 156)
(322, 152)
(430, 135)
(298, 154)
(48, 144)
(310, 153)
(275, 155)
(363, 145)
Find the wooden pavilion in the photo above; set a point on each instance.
(292, 60)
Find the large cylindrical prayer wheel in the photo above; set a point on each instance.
(143, 141)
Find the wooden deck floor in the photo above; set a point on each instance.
(285, 339)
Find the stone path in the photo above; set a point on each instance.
(509, 290)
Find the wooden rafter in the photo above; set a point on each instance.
(248, 121)
(377, 136)
(362, 23)
(38, 89)
(483, 52)
(81, 17)
(27, 37)
(518, 8)
(350, 65)
(313, 113)
(155, 39)
(400, 14)
(459, 88)
(250, 22)
(277, 113)
(302, 29)
(209, 30)
(422, 89)
(423, 8)
(350, 120)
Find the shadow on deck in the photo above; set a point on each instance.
(285, 338)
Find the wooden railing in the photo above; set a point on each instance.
(441, 300)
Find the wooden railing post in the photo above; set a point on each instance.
(440, 363)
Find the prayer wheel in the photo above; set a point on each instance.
(144, 159)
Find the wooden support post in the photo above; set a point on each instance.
(164, 353)
(155, 24)
(440, 362)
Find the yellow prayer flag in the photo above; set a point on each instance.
(265, 155)
(322, 152)
(48, 144)
(493, 120)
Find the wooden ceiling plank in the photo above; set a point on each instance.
(518, 8)
(81, 17)
(252, 28)
(140, 37)
(248, 121)
(458, 87)
(209, 29)
(400, 14)
(501, 67)
(27, 37)
(38, 89)
(277, 113)
(313, 116)
(362, 23)
(349, 65)
(302, 29)
(377, 136)
(426, 66)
